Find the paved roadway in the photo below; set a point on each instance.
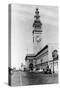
(32, 78)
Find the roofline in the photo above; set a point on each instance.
(37, 53)
(41, 50)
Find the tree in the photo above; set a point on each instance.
(55, 57)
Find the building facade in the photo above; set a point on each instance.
(42, 56)
(39, 60)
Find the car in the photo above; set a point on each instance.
(47, 70)
(40, 70)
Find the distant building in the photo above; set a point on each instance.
(42, 55)
(30, 58)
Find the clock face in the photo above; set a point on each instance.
(38, 39)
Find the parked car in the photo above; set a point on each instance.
(47, 70)
(39, 70)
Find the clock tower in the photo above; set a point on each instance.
(37, 32)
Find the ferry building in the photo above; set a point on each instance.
(43, 55)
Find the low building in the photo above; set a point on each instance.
(41, 60)
(30, 58)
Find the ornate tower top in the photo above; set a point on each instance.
(37, 23)
(36, 14)
(37, 32)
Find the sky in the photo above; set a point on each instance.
(22, 18)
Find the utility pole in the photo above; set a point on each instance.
(53, 65)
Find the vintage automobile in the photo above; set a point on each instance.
(47, 70)
(39, 70)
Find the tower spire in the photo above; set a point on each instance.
(37, 23)
(36, 14)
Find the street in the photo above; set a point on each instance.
(20, 78)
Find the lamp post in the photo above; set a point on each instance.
(53, 65)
